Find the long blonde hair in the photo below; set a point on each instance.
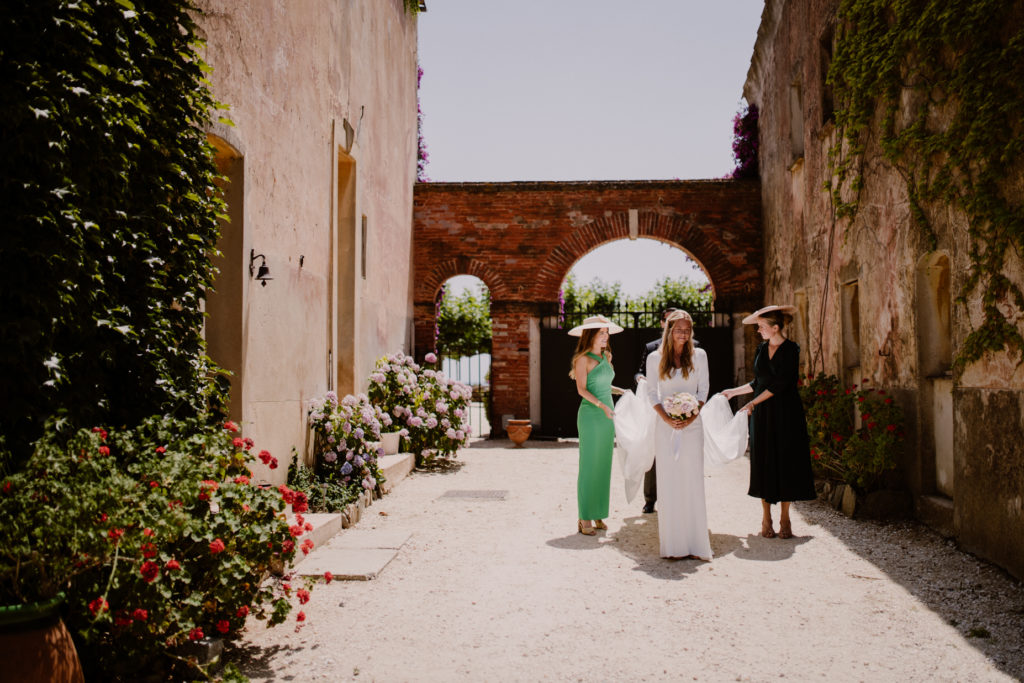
(668, 355)
(583, 347)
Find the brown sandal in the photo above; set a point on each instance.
(766, 529)
(585, 530)
(600, 525)
(785, 529)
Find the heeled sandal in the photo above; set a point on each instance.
(585, 530)
(766, 529)
(785, 529)
(600, 525)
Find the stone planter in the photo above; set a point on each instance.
(36, 646)
(390, 441)
(518, 431)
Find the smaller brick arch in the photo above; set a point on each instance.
(460, 265)
(522, 239)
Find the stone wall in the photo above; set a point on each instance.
(879, 301)
(321, 162)
(522, 239)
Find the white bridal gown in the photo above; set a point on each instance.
(679, 455)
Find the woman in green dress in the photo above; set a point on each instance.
(593, 372)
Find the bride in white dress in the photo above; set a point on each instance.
(679, 443)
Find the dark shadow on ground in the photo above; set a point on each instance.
(950, 582)
(440, 466)
(578, 541)
(637, 539)
(257, 662)
(775, 549)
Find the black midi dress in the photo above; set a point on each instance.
(780, 458)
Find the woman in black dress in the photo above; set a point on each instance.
(780, 460)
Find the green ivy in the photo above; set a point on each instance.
(464, 323)
(961, 61)
(110, 215)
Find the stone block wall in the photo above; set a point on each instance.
(880, 299)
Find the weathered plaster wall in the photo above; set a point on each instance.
(310, 84)
(522, 239)
(810, 257)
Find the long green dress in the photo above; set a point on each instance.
(597, 438)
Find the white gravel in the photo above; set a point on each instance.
(505, 590)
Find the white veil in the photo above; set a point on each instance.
(725, 435)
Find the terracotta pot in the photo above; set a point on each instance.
(36, 646)
(390, 441)
(518, 431)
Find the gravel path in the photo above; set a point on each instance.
(505, 590)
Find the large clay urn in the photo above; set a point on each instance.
(36, 646)
(518, 431)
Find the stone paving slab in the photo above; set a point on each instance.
(348, 564)
(366, 539)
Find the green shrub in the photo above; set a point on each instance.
(859, 456)
(109, 213)
(156, 536)
(433, 408)
(347, 442)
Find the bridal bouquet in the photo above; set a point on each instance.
(681, 405)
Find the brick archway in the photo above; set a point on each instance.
(522, 239)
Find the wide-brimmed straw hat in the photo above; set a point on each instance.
(594, 322)
(752, 318)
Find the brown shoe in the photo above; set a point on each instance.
(600, 525)
(785, 529)
(585, 530)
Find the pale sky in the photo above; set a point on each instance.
(586, 90)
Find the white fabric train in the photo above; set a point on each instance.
(725, 435)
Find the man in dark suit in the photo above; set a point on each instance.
(651, 478)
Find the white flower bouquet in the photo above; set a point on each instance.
(681, 406)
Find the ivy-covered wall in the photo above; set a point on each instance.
(892, 192)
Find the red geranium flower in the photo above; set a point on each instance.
(300, 503)
(147, 532)
(328, 577)
(217, 546)
(287, 495)
(115, 535)
(301, 616)
(154, 484)
(242, 479)
(161, 450)
(172, 565)
(104, 450)
(99, 605)
(122, 619)
(7, 487)
(140, 615)
(295, 530)
(149, 570)
(223, 625)
(195, 634)
(230, 426)
(242, 612)
(248, 443)
(891, 428)
(288, 546)
(273, 463)
(148, 550)
(888, 401)
(237, 442)
(306, 546)
(303, 595)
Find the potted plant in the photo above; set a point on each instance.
(156, 536)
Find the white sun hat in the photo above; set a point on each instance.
(753, 317)
(593, 322)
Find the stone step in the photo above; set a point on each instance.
(395, 468)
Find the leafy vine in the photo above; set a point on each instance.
(939, 83)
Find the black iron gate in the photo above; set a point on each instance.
(558, 398)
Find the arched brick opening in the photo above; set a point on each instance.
(522, 239)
